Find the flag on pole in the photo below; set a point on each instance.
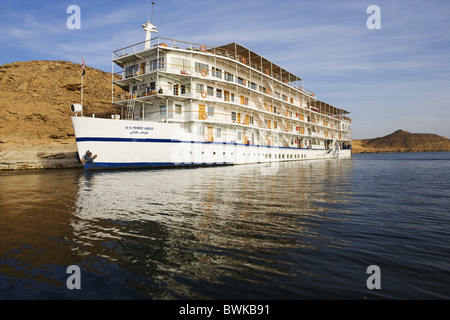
(83, 68)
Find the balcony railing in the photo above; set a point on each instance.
(183, 45)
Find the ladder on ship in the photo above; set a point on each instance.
(288, 143)
(130, 109)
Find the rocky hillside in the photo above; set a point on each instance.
(403, 141)
(35, 99)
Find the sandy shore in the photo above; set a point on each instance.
(31, 155)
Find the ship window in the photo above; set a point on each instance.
(210, 111)
(229, 77)
(162, 110)
(161, 63)
(239, 135)
(240, 80)
(199, 88)
(219, 93)
(178, 109)
(226, 95)
(232, 97)
(183, 64)
(216, 72)
(131, 71)
(200, 129)
(233, 116)
(219, 133)
(210, 91)
(253, 85)
(153, 65)
(201, 67)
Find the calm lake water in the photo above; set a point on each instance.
(299, 230)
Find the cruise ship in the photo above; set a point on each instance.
(187, 104)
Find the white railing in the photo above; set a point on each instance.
(183, 45)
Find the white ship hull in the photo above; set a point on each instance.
(105, 144)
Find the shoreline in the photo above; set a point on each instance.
(63, 154)
(39, 155)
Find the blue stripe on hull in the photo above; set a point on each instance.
(141, 165)
(96, 139)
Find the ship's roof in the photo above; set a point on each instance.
(322, 106)
(258, 61)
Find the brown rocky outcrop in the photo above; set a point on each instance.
(35, 100)
(402, 141)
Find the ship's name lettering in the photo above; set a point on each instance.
(139, 128)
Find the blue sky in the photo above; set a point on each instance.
(397, 77)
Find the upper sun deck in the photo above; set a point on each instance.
(232, 51)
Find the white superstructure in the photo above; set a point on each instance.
(191, 104)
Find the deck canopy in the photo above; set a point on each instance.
(258, 62)
(327, 108)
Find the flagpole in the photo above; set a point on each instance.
(82, 86)
(82, 93)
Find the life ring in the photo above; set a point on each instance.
(204, 94)
(244, 60)
(204, 73)
(268, 143)
(268, 109)
(206, 138)
(267, 72)
(203, 48)
(268, 91)
(287, 113)
(204, 116)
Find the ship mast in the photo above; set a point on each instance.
(149, 29)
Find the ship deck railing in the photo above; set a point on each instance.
(183, 45)
(143, 93)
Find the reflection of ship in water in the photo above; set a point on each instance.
(173, 228)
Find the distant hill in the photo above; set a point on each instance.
(402, 141)
(35, 99)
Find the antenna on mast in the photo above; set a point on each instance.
(149, 29)
(153, 5)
